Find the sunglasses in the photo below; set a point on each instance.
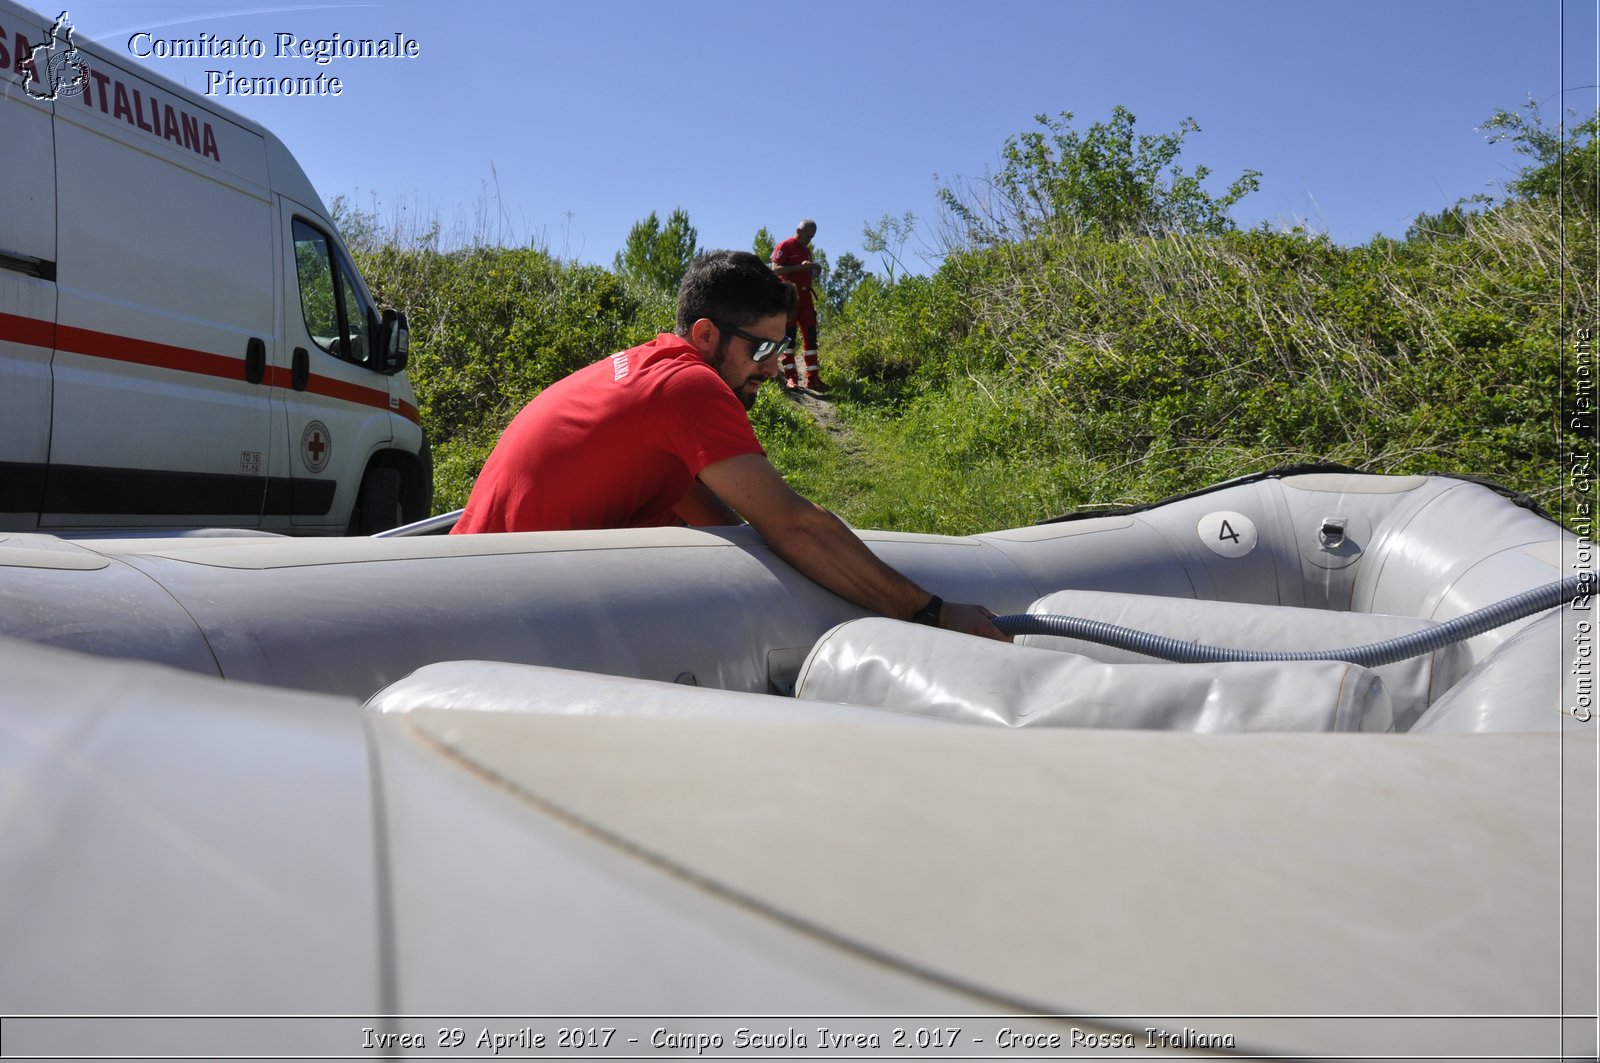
(764, 348)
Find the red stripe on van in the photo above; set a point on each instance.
(180, 359)
(144, 352)
(27, 330)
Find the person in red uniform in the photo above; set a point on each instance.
(791, 260)
(658, 434)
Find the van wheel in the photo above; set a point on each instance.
(378, 504)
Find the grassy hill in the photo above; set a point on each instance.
(1062, 362)
(1032, 379)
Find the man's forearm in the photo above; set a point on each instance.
(823, 547)
(820, 545)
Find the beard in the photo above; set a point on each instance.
(743, 392)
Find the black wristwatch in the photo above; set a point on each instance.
(929, 614)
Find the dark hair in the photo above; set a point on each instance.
(731, 286)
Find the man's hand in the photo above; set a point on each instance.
(970, 620)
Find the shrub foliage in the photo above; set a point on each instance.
(1099, 331)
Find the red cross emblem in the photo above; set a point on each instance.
(316, 446)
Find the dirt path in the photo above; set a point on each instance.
(827, 417)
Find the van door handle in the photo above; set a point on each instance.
(255, 360)
(300, 369)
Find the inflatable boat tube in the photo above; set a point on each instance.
(719, 609)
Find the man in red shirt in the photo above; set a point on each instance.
(791, 260)
(658, 434)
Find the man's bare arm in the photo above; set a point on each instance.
(819, 544)
(702, 508)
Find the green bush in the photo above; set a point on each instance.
(1139, 367)
(490, 328)
(1077, 364)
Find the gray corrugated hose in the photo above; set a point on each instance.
(1371, 655)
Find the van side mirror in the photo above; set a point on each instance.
(395, 342)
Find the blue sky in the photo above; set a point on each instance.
(564, 123)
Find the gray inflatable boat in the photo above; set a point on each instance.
(640, 775)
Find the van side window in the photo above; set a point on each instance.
(359, 318)
(335, 312)
(318, 304)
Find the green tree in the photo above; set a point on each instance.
(1566, 162)
(1449, 224)
(1107, 181)
(843, 279)
(763, 243)
(658, 256)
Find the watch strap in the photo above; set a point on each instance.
(929, 614)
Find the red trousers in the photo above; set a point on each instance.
(804, 315)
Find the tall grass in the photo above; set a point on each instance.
(1072, 371)
(1032, 378)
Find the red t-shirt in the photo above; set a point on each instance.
(615, 445)
(792, 252)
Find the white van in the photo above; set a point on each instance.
(183, 339)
